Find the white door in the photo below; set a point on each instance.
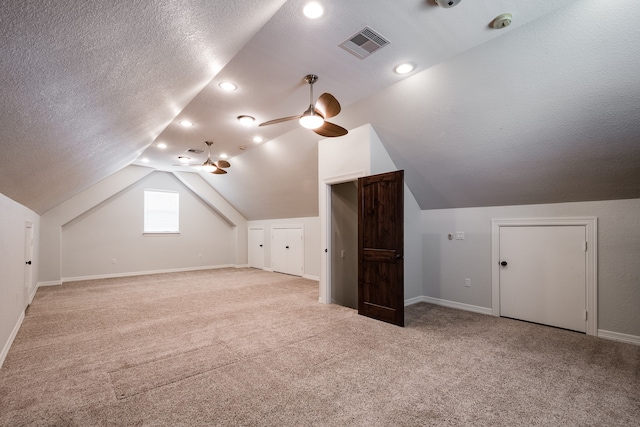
(287, 250)
(278, 251)
(256, 248)
(543, 275)
(28, 259)
(295, 252)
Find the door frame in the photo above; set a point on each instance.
(324, 283)
(591, 273)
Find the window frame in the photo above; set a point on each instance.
(146, 226)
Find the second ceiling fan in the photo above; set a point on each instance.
(315, 116)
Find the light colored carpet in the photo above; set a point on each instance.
(248, 347)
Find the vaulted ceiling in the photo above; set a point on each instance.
(545, 110)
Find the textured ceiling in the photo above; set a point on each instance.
(546, 110)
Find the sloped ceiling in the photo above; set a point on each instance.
(546, 110)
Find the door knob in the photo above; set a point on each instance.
(28, 262)
(287, 247)
(503, 263)
(260, 245)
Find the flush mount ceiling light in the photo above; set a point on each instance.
(404, 68)
(161, 145)
(183, 159)
(246, 121)
(257, 139)
(313, 10)
(228, 86)
(145, 160)
(185, 123)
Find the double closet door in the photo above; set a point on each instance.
(287, 250)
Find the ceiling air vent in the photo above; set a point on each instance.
(364, 43)
(195, 151)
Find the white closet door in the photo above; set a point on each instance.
(287, 250)
(256, 248)
(295, 252)
(543, 275)
(278, 251)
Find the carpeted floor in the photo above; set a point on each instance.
(248, 347)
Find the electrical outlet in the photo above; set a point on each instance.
(113, 261)
(459, 235)
(467, 282)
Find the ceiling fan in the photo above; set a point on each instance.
(209, 165)
(314, 117)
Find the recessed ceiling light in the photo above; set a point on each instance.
(228, 86)
(183, 159)
(161, 145)
(313, 10)
(185, 123)
(257, 139)
(223, 156)
(246, 121)
(404, 68)
(145, 160)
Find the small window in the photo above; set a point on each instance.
(161, 211)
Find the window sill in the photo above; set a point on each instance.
(161, 234)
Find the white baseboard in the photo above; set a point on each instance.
(242, 266)
(143, 273)
(617, 336)
(7, 345)
(450, 304)
(311, 277)
(32, 294)
(268, 269)
(49, 283)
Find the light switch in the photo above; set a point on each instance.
(459, 235)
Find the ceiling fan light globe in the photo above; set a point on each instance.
(312, 121)
(208, 168)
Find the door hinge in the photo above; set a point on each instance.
(585, 246)
(586, 317)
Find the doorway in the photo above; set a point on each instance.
(545, 271)
(344, 244)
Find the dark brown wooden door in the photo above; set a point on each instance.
(381, 247)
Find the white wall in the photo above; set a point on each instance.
(380, 163)
(114, 230)
(51, 222)
(447, 262)
(357, 154)
(311, 226)
(13, 295)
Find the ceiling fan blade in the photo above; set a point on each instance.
(222, 164)
(328, 105)
(284, 119)
(330, 130)
(219, 172)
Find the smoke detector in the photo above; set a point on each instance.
(501, 21)
(447, 3)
